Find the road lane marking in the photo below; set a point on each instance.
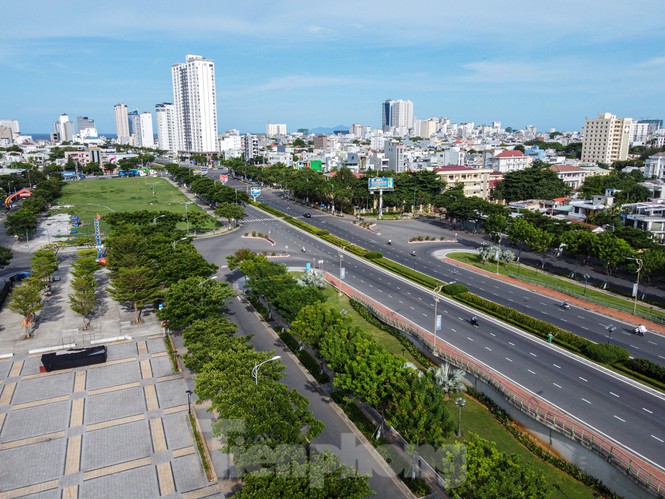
(453, 330)
(587, 401)
(492, 334)
(488, 348)
(622, 420)
(647, 410)
(558, 386)
(412, 308)
(558, 367)
(532, 372)
(654, 436)
(531, 353)
(586, 381)
(612, 393)
(584, 327)
(652, 342)
(511, 343)
(509, 360)
(469, 338)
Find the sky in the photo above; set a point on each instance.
(322, 64)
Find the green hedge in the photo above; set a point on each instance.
(373, 255)
(646, 367)
(606, 353)
(455, 289)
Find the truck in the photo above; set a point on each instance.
(70, 175)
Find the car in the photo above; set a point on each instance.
(307, 215)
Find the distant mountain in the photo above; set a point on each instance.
(329, 131)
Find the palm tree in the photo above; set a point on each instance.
(449, 378)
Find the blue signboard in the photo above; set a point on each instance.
(256, 191)
(383, 183)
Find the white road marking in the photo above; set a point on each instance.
(654, 436)
(488, 348)
(586, 401)
(426, 315)
(509, 360)
(636, 348)
(586, 381)
(543, 303)
(469, 338)
(401, 302)
(652, 342)
(510, 292)
(492, 334)
(511, 343)
(584, 327)
(612, 393)
(661, 357)
(453, 330)
(389, 295)
(622, 420)
(412, 308)
(531, 353)
(558, 367)
(558, 386)
(532, 372)
(647, 410)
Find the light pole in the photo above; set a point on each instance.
(437, 318)
(586, 281)
(460, 402)
(174, 242)
(154, 220)
(414, 202)
(341, 269)
(187, 203)
(610, 329)
(189, 401)
(498, 253)
(255, 369)
(639, 262)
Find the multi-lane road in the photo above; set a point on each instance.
(623, 410)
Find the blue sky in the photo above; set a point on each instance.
(309, 64)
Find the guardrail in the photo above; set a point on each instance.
(649, 476)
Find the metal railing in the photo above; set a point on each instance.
(648, 475)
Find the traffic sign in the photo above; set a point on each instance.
(223, 179)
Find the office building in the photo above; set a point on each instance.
(166, 129)
(273, 130)
(134, 127)
(397, 115)
(194, 97)
(86, 128)
(121, 123)
(606, 139)
(64, 128)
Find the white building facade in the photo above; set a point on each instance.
(195, 100)
(275, 129)
(121, 123)
(146, 133)
(606, 139)
(167, 139)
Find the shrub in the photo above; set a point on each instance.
(647, 368)
(323, 232)
(606, 353)
(455, 289)
(373, 255)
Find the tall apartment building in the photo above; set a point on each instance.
(394, 152)
(166, 128)
(194, 97)
(121, 123)
(86, 127)
(250, 147)
(146, 134)
(397, 115)
(273, 129)
(606, 139)
(134, 127)
(64, 128)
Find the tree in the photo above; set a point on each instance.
(496, 223)
(448, 378)
(136, 286)
(83, 300)
(194, 298)
(26, 301)
(126, 249)
(230, 211)
(44, 264)
(5, 256)
(537, 182)
(611, 251)
(520, 231)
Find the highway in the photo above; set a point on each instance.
(623, 411)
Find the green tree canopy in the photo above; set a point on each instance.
(530, 183)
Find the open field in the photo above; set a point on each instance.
(88, 198)
(475, 416)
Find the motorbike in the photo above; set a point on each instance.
(413, 253)
(389, 241)
(474, 322)
(640, 330)
(565, 305)
(303, 249)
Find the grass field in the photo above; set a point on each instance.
(549, 281)
(475, 416)
(88, 198)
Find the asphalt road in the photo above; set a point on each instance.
(622, 410)
(580, 321)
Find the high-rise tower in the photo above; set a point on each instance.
(397, 115)
(121, 123)
(195, 101)
(166, 127)
(606, 139)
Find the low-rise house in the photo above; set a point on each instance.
(476, 181)
(649, 216)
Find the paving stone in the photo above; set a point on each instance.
(5, 367)
(178, 432)
(156, 345)
(122, 351)
(115, 445)
(32, 464)
(117, 374)
(161, 366)
(136, 483)
(47, 386)
(35, 421)
(47, 494)
(114, 405)
(188, 473)
(172, 393)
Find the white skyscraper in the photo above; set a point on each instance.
(146, 134)
(397, 115)
(121, 123)
(64, 128)
(274, 129)
(166, 129)
(134, 128)
(195, 101)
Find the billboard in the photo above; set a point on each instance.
(381, 183)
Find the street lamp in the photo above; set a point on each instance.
(460, 402)
(174, 242)
(437, 318)
(341, 259)
(187, 203)
(639, 262)
(586, 281)
(207, 279)
(154, 220)
(255, 369)
(189, 401)
(498, 253)
(610, 329)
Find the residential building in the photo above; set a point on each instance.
(166, 127)
(397, 115)
(273, 130)
(606, 139)
(476, 181)
(146, 134)
(394, 153)
(86, 128)
(321, 142)
(121, 123)
(654, 166)
(639, 134)
(572, 176)
(584, 208)
(648, 216)
(80, 157)
(64, 128)
(9, 130)
(195, 101)
(250, 147)
(134, 128)
(510, 161)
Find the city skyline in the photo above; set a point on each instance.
(311, 65)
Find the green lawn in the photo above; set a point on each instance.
(474, 417)
(477, 419)
(537, 277)
(101, 196)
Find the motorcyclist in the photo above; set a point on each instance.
(303, 249)
(474, 321)
(390, 241)
(641, 329)
(413, 253)
(565, 304)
